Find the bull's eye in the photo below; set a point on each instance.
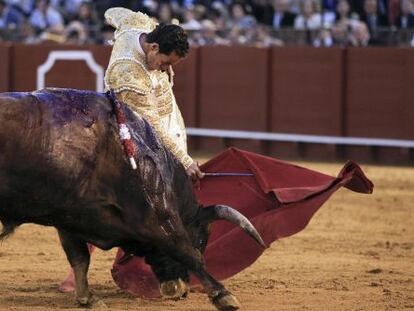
(202, 244)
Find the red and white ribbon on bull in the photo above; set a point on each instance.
(124, 133)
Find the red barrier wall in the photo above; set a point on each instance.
(340, 92)
(68, 73)
(5, 67)
(409, 94)
(186, 85)
(306, 91)
(233, 88)
(379, 92)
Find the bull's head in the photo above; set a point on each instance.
(199, 231)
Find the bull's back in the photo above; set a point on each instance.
(50, 131)
(44, 118)
(55, 146)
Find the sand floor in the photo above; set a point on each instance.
(357, 253)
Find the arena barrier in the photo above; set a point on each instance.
(316, 103)
(57, 66)
(5, 67)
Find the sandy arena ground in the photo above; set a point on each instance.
(357, 253)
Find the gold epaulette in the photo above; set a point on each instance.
(125, 19)
(127, 74)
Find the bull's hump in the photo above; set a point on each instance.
(71, 105)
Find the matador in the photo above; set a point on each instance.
(140, 73)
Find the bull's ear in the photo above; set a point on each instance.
(216, 212)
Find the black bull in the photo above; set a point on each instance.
(62, 165)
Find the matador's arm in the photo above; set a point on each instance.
(145, 108)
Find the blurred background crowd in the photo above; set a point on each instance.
(260, 23)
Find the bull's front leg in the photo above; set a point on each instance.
(77, 253)
(223, 299)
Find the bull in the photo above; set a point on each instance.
(62, 165)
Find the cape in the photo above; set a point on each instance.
(279, 199)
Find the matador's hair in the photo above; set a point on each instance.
(169, 38)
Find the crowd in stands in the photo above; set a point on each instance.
(219, 22)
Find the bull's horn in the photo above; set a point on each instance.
(237, 218)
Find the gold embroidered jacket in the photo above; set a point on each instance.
(149, 93)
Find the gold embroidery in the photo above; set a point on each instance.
(164, 104)
(130, 78)
(128, 74)
(144, 107)
(122, 18)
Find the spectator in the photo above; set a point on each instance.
(87, 19)
(165, 13)
(309, 17)
(237, 36)
(406, 19)
(372, 17)
(383, 8)
(262, 10)
(350, 34)
(24, 7)
(10, 18)
(209, 34)
(68, 9)
(323, 38)
(218, 21)
(327, 8)
(281, 16)
(341, 34)
(348, 30)
(27, 33)
(189, 21)
(375, 21)
(45, 18)
(240, 18)
(295, 6)
(343, 12)
(200, 12)
(393, 12)
(361, 35)
(219, 15)
(344, 16)
(259, 36)
(76, 33)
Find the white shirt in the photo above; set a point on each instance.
(277, 20)
(52, 18)
(311, 23)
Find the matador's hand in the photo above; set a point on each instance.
(194, 171)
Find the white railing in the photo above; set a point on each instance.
(317, 139)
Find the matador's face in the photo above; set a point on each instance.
(160, 61)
